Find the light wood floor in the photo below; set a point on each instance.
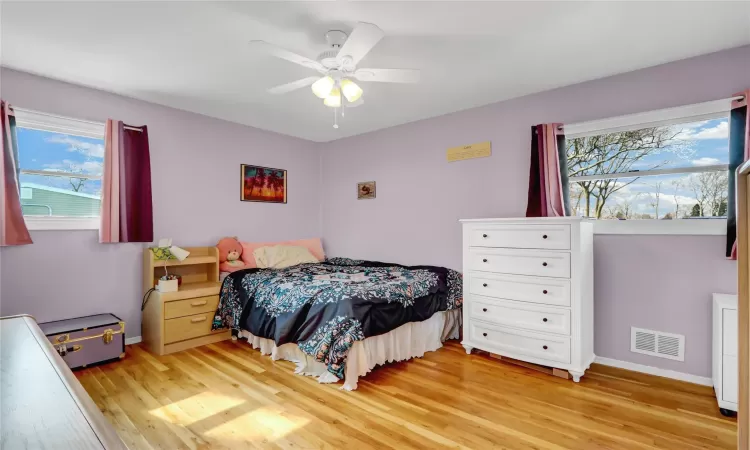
(229, 396)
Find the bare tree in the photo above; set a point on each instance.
(710, 189)
(76, 184)
(676, 186)
(623, 208)
(615, 153)
(657, 194)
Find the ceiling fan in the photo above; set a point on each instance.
(338, 66)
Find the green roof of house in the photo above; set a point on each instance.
(40, 200)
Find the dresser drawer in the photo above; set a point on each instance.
(187, 327)
(191, 306)
(521, 315)
(546, 291)
(520, 262)
(518, 343)
(551, 237)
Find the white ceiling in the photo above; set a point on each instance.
(194, 55)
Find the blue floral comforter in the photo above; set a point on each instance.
(326, 307)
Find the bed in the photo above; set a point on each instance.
(340, 318)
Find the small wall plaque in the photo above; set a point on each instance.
(366, 190)
(479, 150)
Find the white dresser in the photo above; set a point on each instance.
(528, 290)
(724, 352)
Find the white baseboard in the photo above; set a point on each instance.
(132, 340)
(705, 381)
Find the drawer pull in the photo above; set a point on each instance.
(544, 264)
(544, 237)
(199, 303)
(544, 347)
(484, 284)
(484, 334)
(544, 292)
(484, 260)
(198, 319)
(484, 235)
(544, 320)
(484, 309)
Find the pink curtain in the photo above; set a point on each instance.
(13, 229)
(127, 213)
(548, 174)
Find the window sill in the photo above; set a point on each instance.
(61, 223)
(685, 227)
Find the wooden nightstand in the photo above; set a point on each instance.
(174, 321)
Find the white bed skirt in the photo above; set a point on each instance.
(411, 340)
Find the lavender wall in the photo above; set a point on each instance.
(195, 169)
(659, 282)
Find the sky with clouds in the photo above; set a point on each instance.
(42, 150)
(698, 144)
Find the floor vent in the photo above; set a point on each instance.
(657, 343)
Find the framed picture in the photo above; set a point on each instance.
(366, 190)
(262, 184)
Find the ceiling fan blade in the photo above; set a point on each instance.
(286, 54)
(388, 75)
(362, 39)
(294, 85)
(360, 101)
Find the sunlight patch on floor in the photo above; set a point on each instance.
(195, 408)
(265, 423)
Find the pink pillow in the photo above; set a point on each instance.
(314, 245)
(226, 267)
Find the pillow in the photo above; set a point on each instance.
(314, 245)
(282, 256)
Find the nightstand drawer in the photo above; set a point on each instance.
(191, 306)
(188, 327)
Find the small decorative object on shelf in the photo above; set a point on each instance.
(88, 340)
(366, 190)
(181, 318)
(164, 252)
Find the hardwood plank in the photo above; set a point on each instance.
(228, 395)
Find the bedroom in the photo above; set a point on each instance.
(487, 74)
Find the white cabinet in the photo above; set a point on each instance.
(528, 290)
(725, 371)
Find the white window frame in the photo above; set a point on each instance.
(663, 117)
(64, 125)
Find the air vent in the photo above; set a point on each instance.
(657, 343)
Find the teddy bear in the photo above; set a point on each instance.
(230, 251)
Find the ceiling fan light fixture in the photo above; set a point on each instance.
(323, 87)
(351, 90)
(334, 98)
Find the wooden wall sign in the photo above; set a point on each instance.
(479, 150)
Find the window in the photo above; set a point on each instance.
(672, 168)
(60, 168)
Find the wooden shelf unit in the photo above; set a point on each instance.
(174, 321)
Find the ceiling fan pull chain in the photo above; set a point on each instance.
(335, 118)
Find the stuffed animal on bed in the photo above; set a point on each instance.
(230, 251)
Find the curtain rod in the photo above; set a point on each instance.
(738, 98)
(89, 122)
